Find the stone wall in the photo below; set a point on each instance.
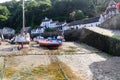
(101, 42)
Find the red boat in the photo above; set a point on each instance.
(50, 43)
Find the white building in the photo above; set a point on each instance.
(110, 11)
(53, 24)
(48, 23)
(91, 22)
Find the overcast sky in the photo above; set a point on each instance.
(1, 1)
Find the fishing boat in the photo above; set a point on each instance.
(24, 37)
(50, 42)
(36, 39)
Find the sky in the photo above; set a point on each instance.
(1, 1)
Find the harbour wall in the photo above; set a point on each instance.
(99, 41)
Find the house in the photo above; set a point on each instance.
(60, 25)
(110, 11)
(82, 23)
(53, 24)
(48, 23)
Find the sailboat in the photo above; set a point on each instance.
(24, 37)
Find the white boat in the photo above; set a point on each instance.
(24, 37)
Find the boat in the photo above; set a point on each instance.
(24, 37)
(36, 39)
(50, 43)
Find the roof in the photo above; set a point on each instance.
(91, 20)
(86, 21)
(60, 23)
(75, 23)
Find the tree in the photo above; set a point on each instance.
(36, 10)
(76, 15)
(4, 13)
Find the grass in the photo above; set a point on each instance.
(51, 71)
(9, 71)
(116, 37)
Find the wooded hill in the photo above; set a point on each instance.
(36, 10)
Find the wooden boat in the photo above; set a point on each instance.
(50, 43)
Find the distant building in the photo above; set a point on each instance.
(48, 23)
(110, 11)
(91, 22)
(61, 25)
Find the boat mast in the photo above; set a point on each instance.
(23, 29)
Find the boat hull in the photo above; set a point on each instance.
(49, 44)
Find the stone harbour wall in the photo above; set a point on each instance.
(99, 41)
